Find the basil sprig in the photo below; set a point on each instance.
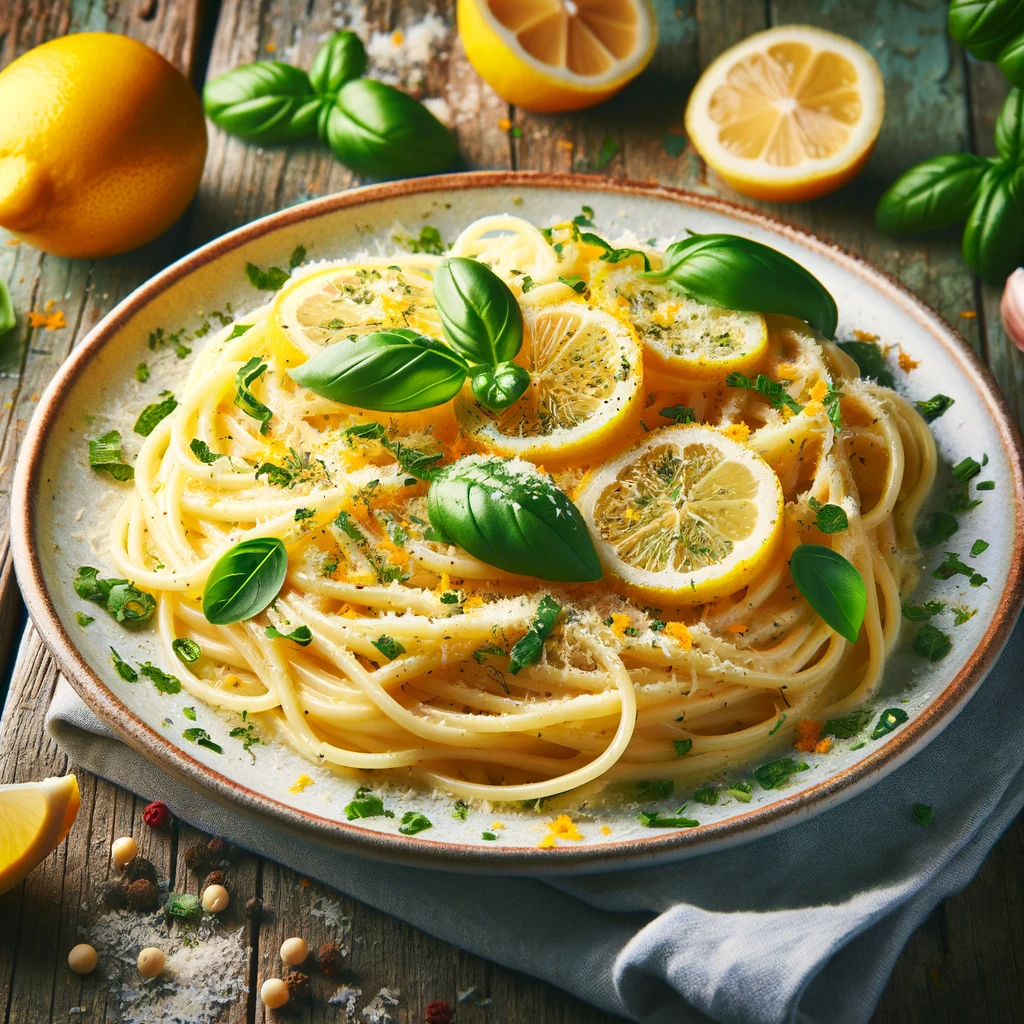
(245, 580)
(988, 194)
(513, 519)
(832, 586)
(732, 272)
(388, 371)
(482, 321)
(989, 29)
(7, 317)
(373, 128)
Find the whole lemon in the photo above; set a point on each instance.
(102, 144)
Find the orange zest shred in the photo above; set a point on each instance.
(808, 733)
(965, 314)
(398, 37)
(50, 321)
(504, 124)
(906, 362)
(605, 830)
(737, 432)
(787, 371)
(736, 627)
(620, 623)
(561, 827)
(497, 826)
(476, 601)
(301, 783)
(679, 633)
(824, 745)
(819, 391)
(397, 554)
(865, 336)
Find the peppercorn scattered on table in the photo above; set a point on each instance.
(135, 904)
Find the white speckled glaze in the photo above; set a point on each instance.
(59, 504)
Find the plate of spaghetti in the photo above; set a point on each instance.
(523, 521)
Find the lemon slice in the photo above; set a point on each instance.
(585, 384)
(788, 114)
(683, 338)
(349, 299)
(687, 514)
(512, 247)
(557, 55)
(34, 819)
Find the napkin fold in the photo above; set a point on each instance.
(798, 927)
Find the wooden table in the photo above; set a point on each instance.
(963, 962)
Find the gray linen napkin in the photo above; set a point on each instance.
(801, 926)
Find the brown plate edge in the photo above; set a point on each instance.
(445, 855)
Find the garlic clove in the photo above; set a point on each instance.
(1011, 308)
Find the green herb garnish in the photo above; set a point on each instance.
(187, 650)
(245, 399)
(153, 414)
(413, 822)
(932, 408)
(388, 646)
(775, 773)
(301, 635)
(124, 670)
(932, 643)
(889, 720)
(528, 650)
(105, 456)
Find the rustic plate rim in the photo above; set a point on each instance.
(450, 855)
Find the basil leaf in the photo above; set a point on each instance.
(934, 407)
(245, 399)
(105, 456)
(514, 520)
(389, 371)
(993, 242)
(1011, 63)
(124, 670)
(831, 518)
(732, 272)
(7, 317)
(245, 580)
(500, 386)
(202, 737)
(1009, 131)
(202, 451)
(265, 102)
(153, 414)
(870, 360)
(529, 649)
(187, 650)
(480, 316)
(337, 61)
(887, 721)
(775, 773)
(678, 413)
(413, 822)
(832, 586)
(383, 132)
(932, 194)
(302, 635)
(983, 26)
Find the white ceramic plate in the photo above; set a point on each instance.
(58, 504)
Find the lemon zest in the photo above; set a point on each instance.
(679, 632)
(301, 783)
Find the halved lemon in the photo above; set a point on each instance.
(556, 55)
(788, 114)
(349, 299)
(683, 338)
(35, 817)
(686, 515)
(586, 380)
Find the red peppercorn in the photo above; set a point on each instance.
(438, 1012)
(156, 814)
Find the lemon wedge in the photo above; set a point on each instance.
(35, 817)
(585, 386)
(683, 338)
(686, 515)
(788, 114)
(557, 55)
(349, 299)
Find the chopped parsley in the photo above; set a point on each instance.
(460, 810)
(706, 795)
(936, 529)
(677, 413)
(770, 389)
(870, 360)
(489, 836)
(161, 680)
(889, 720)
(683, 747)
(740, 791)
(778, 725)
(153, 414)
(978, 547)
(832, 407)
(934, 407)
(529, 649)
(576, 283)
(651, 819)
(481, 654)
(848, 726)
(365, 805)
(142, 373)
(276, 475)
(775, 773)
(986, 485)
(201, 450)
(828, 518)
(187, 650)
(124, 670)
(82, 619)
(923, 814)
(123, 600)
(246, 732)
(269, 280)
(962, 614)
(952, 566)
(105, 456)
(297, 256)
(413, 822)
(921, 612)
(158, 337)
(388, 646)
(238, 330)
(527, 283)
(245, 399)
(189, 713)
(304, 513)
(966, 469)
(301, 635)
(932, 643)
(414, 461)
(202, 737)
(184, 904)
(655, 789)
(611, 254)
